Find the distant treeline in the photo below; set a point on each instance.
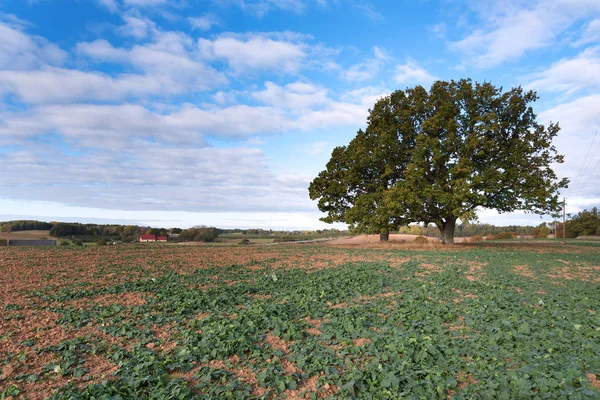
(24, 225)
(469, 230)
(585, 223)
(270, 233)
(488, 229)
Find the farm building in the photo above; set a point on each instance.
(147, 238)
(152, 238)
(25, 242)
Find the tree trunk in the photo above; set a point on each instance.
(384, 237)
(448, 226)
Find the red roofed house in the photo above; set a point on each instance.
(161, 239)
(147, 238)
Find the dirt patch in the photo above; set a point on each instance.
(128, 299)
(465, 379)
(462, 295)
(316, 324)
(309, 386)
(523, 270)
(100, 368)
(579, 272)
(594, 380)
(277, 343)
(361, 342)
(428, 269)
(475, 273)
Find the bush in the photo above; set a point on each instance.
(421, 240)
(476, 238)
(101, 242)
(77, 242)
(3, 242)
(542, 232)
(503, 236)
(63, 243)
(489, 236)
(244, 241)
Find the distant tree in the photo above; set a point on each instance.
(541, 232)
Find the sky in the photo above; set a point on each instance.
(220, 112)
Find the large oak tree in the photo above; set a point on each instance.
(439, 155)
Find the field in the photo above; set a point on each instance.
(501, 321)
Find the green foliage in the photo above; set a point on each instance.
(10, 392)
(101, 242)
(437, 156)
(3, 242)
(63, 243)
(245, 241)
(77, 242)
(585, 223)
(200, 234)
(541, 232)
(505, 236)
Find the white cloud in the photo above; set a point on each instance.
(578, 120)
(335, 114)
(138, 27)
(319, 147)
(111, 5)
(294, 96)
(368, 69)
(570, 74)
(205, 22)
(102, 50)
(115, 126)
(510, 30)
(21, 51)
(591, 33)
(145, 3)
(192, 179)
(256, 52)
(366, 96)
(57, 85)
(438, 30)
(411, 73)
(261, 7)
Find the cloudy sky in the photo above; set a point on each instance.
(220, 112)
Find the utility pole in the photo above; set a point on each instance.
(564, 217)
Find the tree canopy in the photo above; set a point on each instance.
(436, 156)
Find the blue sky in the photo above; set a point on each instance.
(185, 112)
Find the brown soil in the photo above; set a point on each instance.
(594, 380)
(475, 273)
(524, 271)
(277, 343)
(316, 324)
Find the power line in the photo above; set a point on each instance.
(585, 160)
(590, 175)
